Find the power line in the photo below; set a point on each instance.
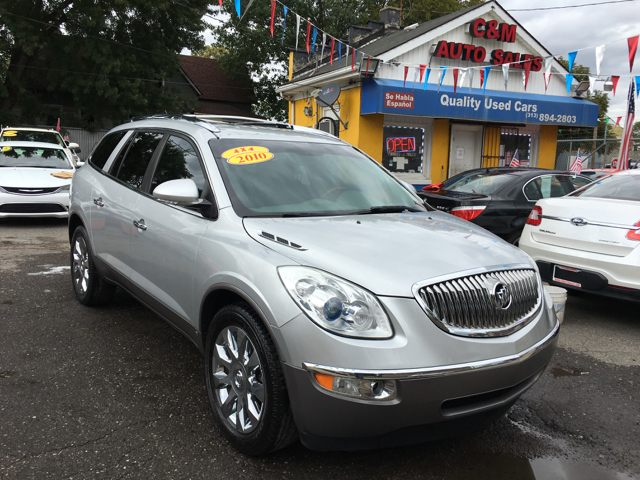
(568, 6)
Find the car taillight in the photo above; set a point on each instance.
(467, 213)
(433, 187)
(634, 234)
(535, 217)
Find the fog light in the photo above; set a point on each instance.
(359, 388)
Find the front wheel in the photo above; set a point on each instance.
(245, 383)
(89, 286)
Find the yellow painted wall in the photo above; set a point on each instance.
(363, 131)
(548, 144)
(440, 150)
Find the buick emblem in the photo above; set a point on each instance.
(500, 296)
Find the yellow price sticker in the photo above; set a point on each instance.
(9, 133)
(6, 149)
(249, 158)
(235, 151)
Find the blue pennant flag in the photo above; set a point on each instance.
(284, 23)
(444, 72)
(637, 85)
(426, 78)
(355, 55)
(487, 69)
(315, 34)
(339, 52)
(572, 58)
(569, 82)
(238, 7)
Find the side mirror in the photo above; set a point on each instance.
(74, 146)
(79, 164)
(182, 192)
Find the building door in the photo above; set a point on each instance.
(466, 148)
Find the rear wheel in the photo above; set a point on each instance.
(245, 383)
(514, 239)
(89, 286)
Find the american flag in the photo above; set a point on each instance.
(623, 162)
(576, 166)
(515, 161)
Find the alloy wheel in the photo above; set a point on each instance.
(80, 265)
(237, 380)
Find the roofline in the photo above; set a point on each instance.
(186, 76)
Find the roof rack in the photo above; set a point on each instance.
(237, 120)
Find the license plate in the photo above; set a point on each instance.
(567, 275)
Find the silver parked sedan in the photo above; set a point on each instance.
(329, 302)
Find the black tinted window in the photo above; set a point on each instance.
(178, 160)
(101, 153)
(136, 161)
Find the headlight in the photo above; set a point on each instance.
(335, 304)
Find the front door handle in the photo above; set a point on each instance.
(98, 201)
(140, 224)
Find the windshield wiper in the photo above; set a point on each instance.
(389, 209)
(303, 214)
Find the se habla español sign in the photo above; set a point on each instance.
(398, 100)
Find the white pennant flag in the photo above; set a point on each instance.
(505, 72)
(463, 72)
(324, 40)
(347, 57)
(297, 29)
(548, 61)
(524, 80)
(599, 57)
(471, 70)
(592, 84)
(415, 77)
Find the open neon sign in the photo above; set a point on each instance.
(401, 144)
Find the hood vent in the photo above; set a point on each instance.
(280, 240)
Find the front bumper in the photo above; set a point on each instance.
(54, 205)
(431, 402)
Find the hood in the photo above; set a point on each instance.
(387, 253)
(32, 177)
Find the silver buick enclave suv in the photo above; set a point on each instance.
(329, 302)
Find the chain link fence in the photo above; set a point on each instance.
(595, 153)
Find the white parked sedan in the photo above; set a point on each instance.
(590, 239)
(35, 179)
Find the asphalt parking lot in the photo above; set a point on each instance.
(115, 392)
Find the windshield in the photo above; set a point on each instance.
(267, 178)
(33, 157)
(483, 183)
(32, 136)
(620, 187)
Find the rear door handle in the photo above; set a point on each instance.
(98, 201)
(140, 224)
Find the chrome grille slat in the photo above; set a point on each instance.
(474, 305)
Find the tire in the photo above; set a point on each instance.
(245, 383)
(89, 286)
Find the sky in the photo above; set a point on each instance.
(569, 29)
(565, 30)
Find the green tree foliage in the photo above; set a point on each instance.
(246, 46)
(581, 74)
(112, 59)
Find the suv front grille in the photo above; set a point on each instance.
(30, 191)
(486, 304)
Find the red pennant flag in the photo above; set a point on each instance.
(481, 77)
(617, 121)
(353, 55)
(273, 14)
(455, 79)
(368, 57)
(422, 69)
(58, 126)
(527, 71)
(308, 34)
(633, 46)
(406, 70)
(333, 44)
(220, 2)
(614, 79)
